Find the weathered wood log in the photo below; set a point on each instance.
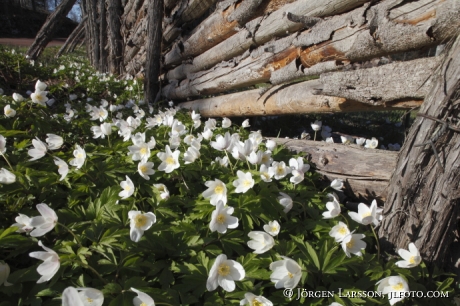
(423, 203)
(152, 64)
(260, 30)
(371, 87)
(365, 172)
(78, 41)
(114, 36)
(102, 37)
(189, 11)
(72, 37)
(93, 17)
(259, 65)
(48, 29)
(297, 98)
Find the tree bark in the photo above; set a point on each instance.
(260, 30)
(92, 4)
(300, 98)
(423, 202)
(72, 37)
(102, 37)
(114, 36)
(152, 64)
(78, 41)
(366, 172)
(48, 29)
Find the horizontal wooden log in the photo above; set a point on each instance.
(261, 30)
(219, 26)
(189, 10)
(365, 172)
(259, 65)
(297, 98)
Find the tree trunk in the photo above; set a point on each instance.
(47, 31)
(152, 63)
(78, 41)
(72, 37)
(102, 36)
(92, 12)
(115, 40)
(423, 202)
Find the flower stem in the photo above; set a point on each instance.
(314, 138)
(93, 270)
(377, 240)
(229, 162)
(72, 233)
(6, 159)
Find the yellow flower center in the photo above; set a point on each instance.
(274, 228)
(143, 168)
(290, 275)
(342, 231)
(220, 218)
(140, 220)
(264, 159)
(368, 214)
(143, 304)
(257, 303)
(143, 151)
(80, 155)
(8, 111)
(412, 260)
(398, 287)
(127, 188)
(89, 300)
(280, 170)
(170, 160)
(219, 189)
(350, 244)
(223, 269)
(247, 183)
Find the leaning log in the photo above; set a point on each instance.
(290, 99)
(114, 36)
(423, 203)
(102, 36)
(52, 23)
(72, 37)
(365, 172)
(261, 30)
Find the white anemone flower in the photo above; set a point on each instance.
(255, 158)
(207, 134)
(226, 123)
(395, 287)
(272, 228)
(139, 223)
(142, 299)
(270, 145)
(346, 139)
(360, 141)
(140, 151)
(217, 191)
(352, 244)
(224, 273)
(50, 264)
(54, 141)
(39, 149)
(128, 188)
(244, 182)
(333, 209)
(316, 126)
(285, 201)
(145, 169)
(177, 128)
(18, 97)
(245, 123)
(4, 274)
(410, 258)
(86, 297)
(40, 86)
(73, 97)
(9, 112)
(80, 157)
(44, 223)
(191, 155)
(372, 143)
(298, 170)
(266, 173)
(365, 215)
(339, 231)
(39, 97)
(170, 160)
(63, 168)
(280, 169)
(2, 144)
(221, 218)
(286, 273)
(210, 124)
(7, 177)
(260, 242)
(164, 192)
(255, 300)
(266, 158)
(23, 224)
(195, 116)
(337, 184)
(222, 143)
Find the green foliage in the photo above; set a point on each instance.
(173, 259)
